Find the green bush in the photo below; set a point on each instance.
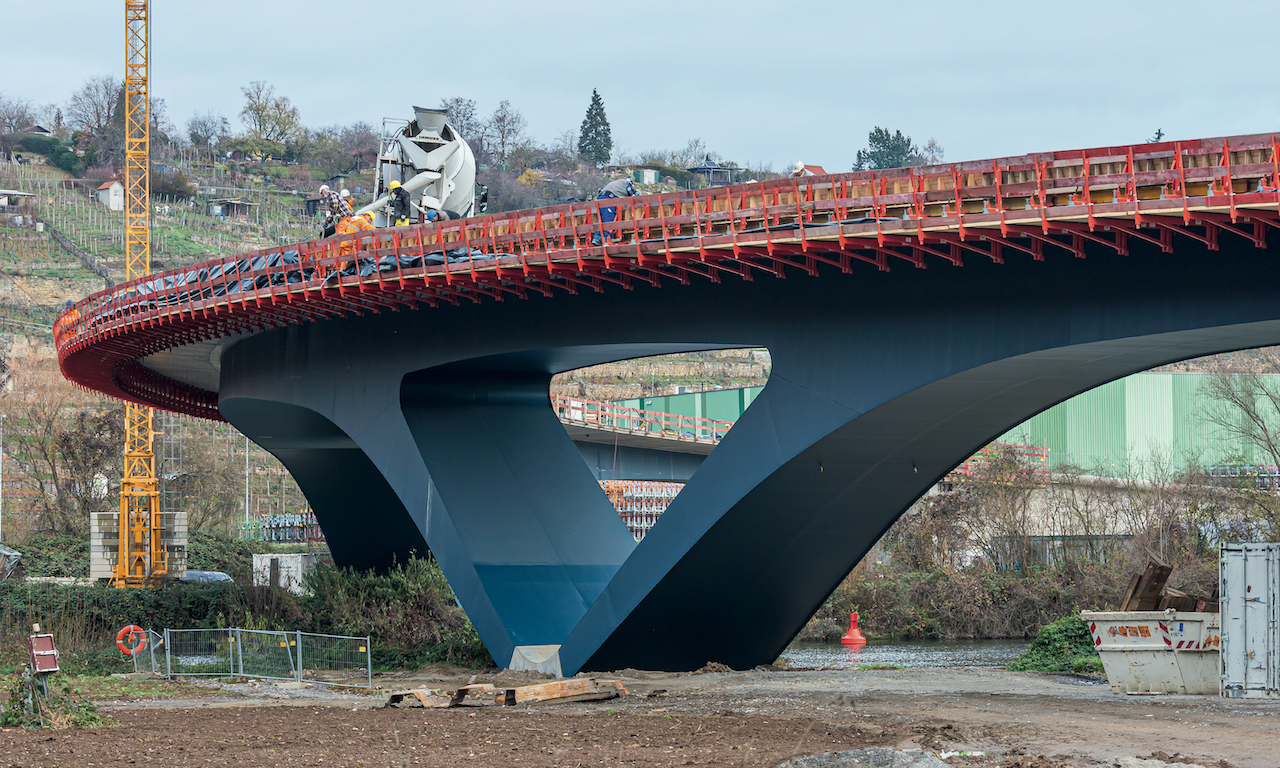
(220, 552)
(409, 612)
(51, 554)
(28, 707)
(59, 154)
(1063, 646)
(968, 602)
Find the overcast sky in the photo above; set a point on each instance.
(757, 81)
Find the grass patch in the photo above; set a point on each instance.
(122, 689)
(27, 707)
(879, 666)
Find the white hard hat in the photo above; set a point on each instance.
(324, 187)
(344, 193)
(798, 167)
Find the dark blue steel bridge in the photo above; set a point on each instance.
(912, 316)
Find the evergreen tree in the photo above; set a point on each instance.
(887, 150)
(594, 141)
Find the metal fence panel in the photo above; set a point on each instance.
(268, 654)
(339, 660)
(152, 658)
(199, 652)
(335, 660)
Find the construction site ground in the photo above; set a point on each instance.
(757, 718)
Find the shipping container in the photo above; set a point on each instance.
(1248, 601)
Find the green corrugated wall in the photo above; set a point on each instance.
(1127, 426)
(1133, 425)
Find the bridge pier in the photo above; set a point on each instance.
(882, 382)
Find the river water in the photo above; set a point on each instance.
(924, 654)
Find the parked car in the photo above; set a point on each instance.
(200, 577)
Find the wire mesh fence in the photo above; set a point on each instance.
(266, 654)
(209, 652)
(305, 657)
(151, 657)
(335, 660)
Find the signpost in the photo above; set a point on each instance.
(44, 656)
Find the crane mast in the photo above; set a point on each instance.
(141, 558)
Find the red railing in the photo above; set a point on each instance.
(633, 421)
(1034, 205)
(1008, 459)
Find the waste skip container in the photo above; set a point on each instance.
(1157, 651)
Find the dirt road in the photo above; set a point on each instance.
(754, 719)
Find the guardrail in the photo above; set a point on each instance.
(1033, 205)
(633, 421)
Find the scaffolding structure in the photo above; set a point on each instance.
(640, 502)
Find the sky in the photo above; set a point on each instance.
(767, 82)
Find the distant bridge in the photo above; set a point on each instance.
(912, 315)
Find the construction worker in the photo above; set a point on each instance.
(444, 214)
(338, 209)
(345, 196)
(350, 225)
(400, 205)
(615, 189)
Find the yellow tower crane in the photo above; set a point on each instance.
(141, 559)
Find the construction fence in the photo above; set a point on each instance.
(304, 657)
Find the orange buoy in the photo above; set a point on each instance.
(132, 631)
(854, 635)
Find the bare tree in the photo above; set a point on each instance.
(91, 108)
(15, 114)
(211, 485)
(63, 444)
(50, 116)
(463, 116)
(161, 125)
(208, 129)
(694, 152)
(931, 153)
(1246, 412)
(506, 130)
(358, 137)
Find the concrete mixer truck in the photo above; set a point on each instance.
(429, 160)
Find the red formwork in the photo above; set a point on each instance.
(612, 417)
(1035, 206)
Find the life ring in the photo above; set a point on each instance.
(131, 630)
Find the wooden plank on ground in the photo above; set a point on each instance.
(419, 697)
(576, 689)
(460, 695)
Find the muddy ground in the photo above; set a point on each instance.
(756, 719)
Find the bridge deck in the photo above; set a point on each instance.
(1031, 206)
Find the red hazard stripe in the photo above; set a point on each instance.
(1093, 630)
(1164, 632)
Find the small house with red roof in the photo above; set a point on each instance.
(111, 194)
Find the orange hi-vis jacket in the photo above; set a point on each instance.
(348, 226)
